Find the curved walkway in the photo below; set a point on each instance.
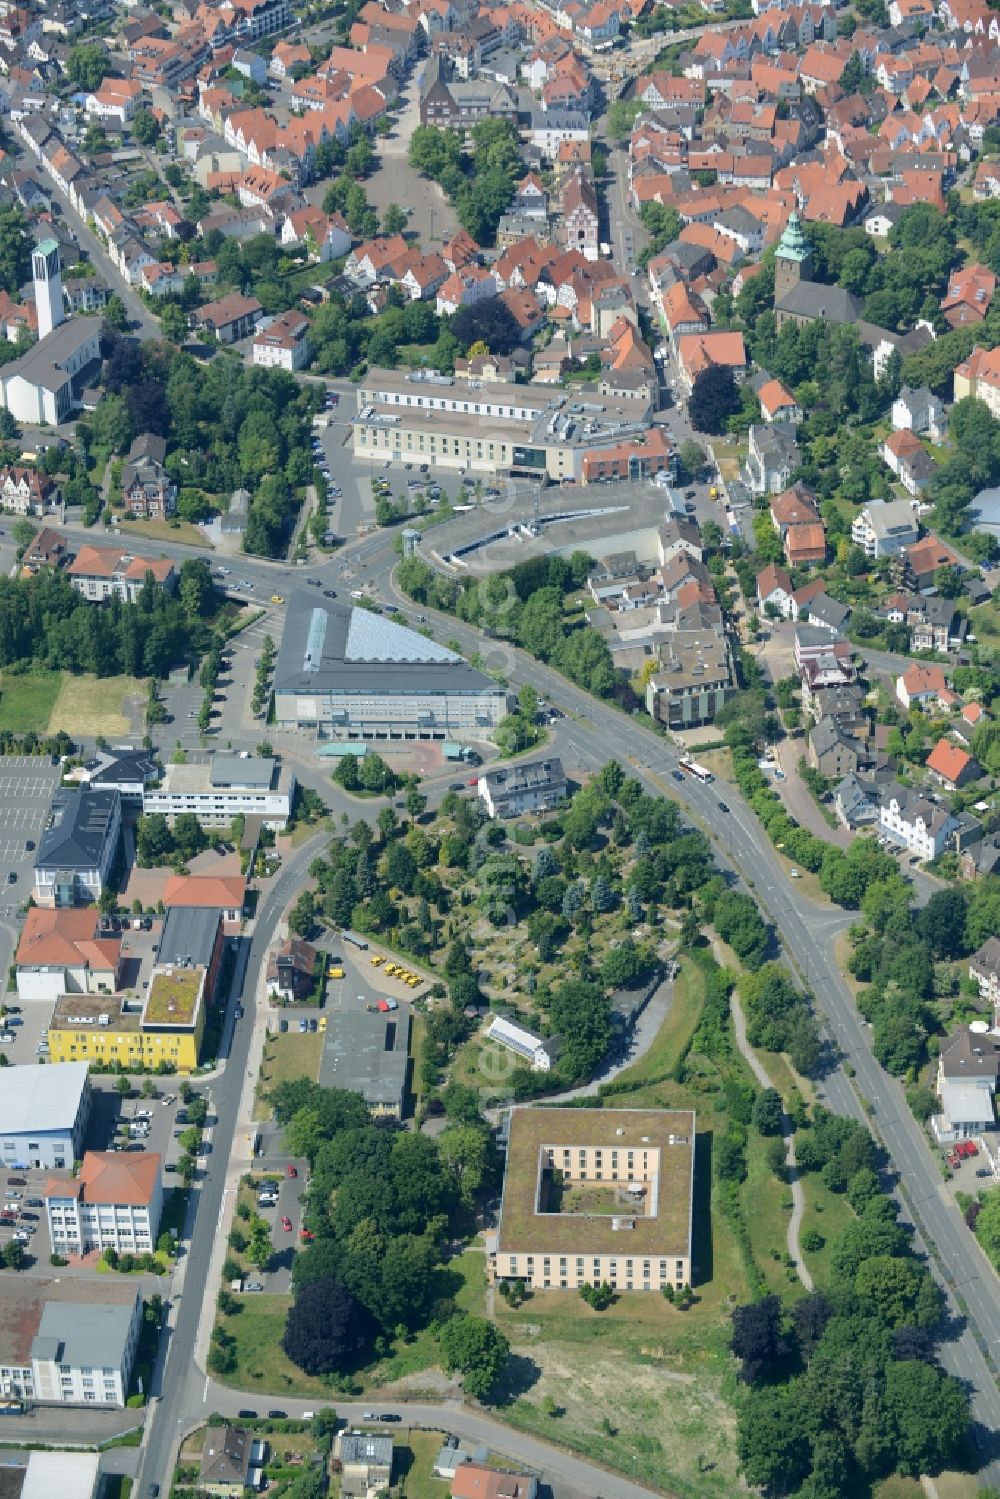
(798, 1196)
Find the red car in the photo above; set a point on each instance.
(292, 1171)
(286, 1224)
(304, 1233)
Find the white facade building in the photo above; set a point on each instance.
(83, 1341)
(43, 1115)
(114, 1203)
(923, 826)
(227, 788)
(534, 1049)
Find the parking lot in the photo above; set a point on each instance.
(291, 1198)
(26, 786)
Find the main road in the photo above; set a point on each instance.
(593, 733)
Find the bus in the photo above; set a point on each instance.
(692, 768)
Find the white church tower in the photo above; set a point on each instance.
(46, 272)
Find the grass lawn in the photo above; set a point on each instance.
(637, 1388)
(286, 1057)
(676, 1030)
(767, 1203)
(828, 1211)
(413, 1466)
(89, 705)
(161, 530)
(26, 702)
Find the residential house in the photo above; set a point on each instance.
(774, 591)
(580, 214)
(968, 1069)
(984, 969)
(283, 344)
(923, 827)
(533, 786)
(855, 802)
(98, 574)
(919, 410)
(777, 404)
(950, 765)
(365, 1464)
(918, 563)
(698, 351)
(225, 1461)
(693, 679)
(232, 318)
(979, 376)
(885, 527)
(147, 489)
(828, 613)
(832, 751)
(541, 1052)
(772, 458)
(291, 970)
(968, 297)
(25, 491)
(921, 683)
(477, 1481)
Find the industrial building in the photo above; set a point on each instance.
(349, 674)
(368, 1052)
(43, 1116)
(530, 430)
(594, 1196)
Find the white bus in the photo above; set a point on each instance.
(692, 768)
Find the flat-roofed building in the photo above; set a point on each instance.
(348, 674)
(368, 1052)
(695, 676)
(531, 430)
(165, 1027)
(597, 1196)
(67, 1343)
(114, 1203)
(225, 788)
(71, 1475)
(43, 1116)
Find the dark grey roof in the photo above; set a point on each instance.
(225, 1457)
(148, 445)
(814, 300)
(78, 828)
(125, 767)
(189, 935)
(367, 1052)
(968, 1054)
(829, 611)
(360, 1447)
(45, 362)
(508, 780)
(335, 648)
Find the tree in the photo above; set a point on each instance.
(327, 1328)
(116, 313)
(942, 923)
(173, 323)
(757, 1339)
(714, 398)
(145, 127)
(13, 1255)
(692, 457)
(123, 1087)
(929, 1416)
(88, 65)
(478, 1349)
(15, 249)
(394, 219)
(767, 1112)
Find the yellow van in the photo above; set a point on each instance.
(335, 973)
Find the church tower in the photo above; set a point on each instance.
(793, 259)
(47, 275)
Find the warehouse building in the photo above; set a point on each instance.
(595, 1196)
(43, 1116)
(349, 674)
(368, 1052)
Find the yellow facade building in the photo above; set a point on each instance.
(166, 1027)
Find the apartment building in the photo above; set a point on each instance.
(922, 826)
(695, 676)
(283, 344)
(882, 529)
(533, 786)
(98, 574)
(984, 969)
(642, 1158)
(114, 1203)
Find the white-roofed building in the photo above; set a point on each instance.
(348, 674)
(71, 1475)
(43, 1115)
(540, 1051)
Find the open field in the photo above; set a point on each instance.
(286, 1057)
(26, 702)
(90, 706)
(413, 1464)
(161, 530)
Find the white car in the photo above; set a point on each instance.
(794, 874)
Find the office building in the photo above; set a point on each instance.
(225, 788)
(345, 673)
(78, 847)
(595, 1196)
(43, 1116)
(66, 1343)
(166, 1026)
(114, 1203)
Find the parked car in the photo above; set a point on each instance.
(16, 1181)
(286, 1223)
(292, 1171)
